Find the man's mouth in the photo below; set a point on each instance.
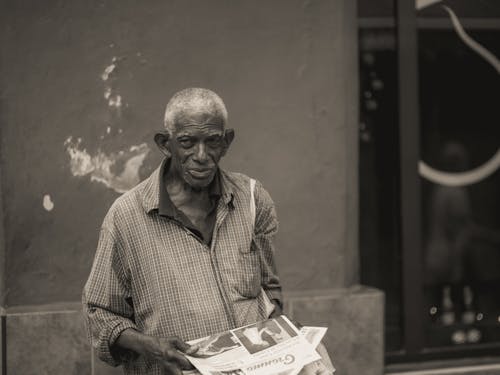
(200, 173)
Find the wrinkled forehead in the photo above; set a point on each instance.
(205, 118)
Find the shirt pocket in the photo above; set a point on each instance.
(249, 270)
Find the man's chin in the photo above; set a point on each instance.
(199, 183)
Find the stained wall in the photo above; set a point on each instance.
(101, 72)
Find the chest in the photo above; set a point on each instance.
(167, 262)
(163, 246)
(195, 212)
(202, 219)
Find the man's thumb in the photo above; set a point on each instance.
(184, 347)
(192, 349)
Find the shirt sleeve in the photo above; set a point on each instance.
(266, 227)
(107, 302)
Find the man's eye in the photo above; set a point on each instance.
(214, 141)
(186, 143)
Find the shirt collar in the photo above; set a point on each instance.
(155, 195)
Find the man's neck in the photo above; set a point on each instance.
(181, 193)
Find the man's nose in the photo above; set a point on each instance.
(200, 154)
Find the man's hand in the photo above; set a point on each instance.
(315, 368)
(277, 309)
(322, 366)
(166, 350)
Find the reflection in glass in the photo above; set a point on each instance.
(449, 239)
(461, 223)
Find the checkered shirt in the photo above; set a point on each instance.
(152, 274)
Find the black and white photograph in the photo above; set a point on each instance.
(173, 171)
(216, 344)
(230, 372)
(265, 334)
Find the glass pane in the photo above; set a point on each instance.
(460, 135)
(376, 8)
(379, 175)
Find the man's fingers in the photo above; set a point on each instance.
(322, 369)
(308, 370)
(184, 347)
(192, 349)
(172, 368)
(174, 355)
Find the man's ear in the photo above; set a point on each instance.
(228, 138)
(161, 140)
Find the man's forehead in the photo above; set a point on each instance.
(207, 129)
(199, 116)
(192, 121)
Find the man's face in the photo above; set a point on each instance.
(196, 146)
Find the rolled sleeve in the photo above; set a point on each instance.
(266, 228)
(107, 302)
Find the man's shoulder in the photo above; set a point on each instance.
(236, 181)
(241, 182)
(129, 203)
(236, 178)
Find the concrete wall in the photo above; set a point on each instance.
(285, 68)
(87, 81)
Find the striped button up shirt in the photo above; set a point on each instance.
(152, 274)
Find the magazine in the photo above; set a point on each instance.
(273, 346)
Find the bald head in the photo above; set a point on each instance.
(193, 101)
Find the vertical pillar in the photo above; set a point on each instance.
(410, 181)
(3, 333)
(353, 313)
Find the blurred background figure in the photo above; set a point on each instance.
(449, 230)
(456, 248)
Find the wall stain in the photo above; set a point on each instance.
(114, 99)
(48, 204)
(118, 171)
(109, 69)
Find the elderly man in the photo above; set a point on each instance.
(186, 253)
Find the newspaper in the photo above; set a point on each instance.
(273, 346)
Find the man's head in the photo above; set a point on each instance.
(195, 135)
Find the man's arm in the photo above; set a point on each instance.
(165, 350)
(109, 314)
(107, 306)
(266, 227)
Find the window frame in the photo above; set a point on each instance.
(413, 314)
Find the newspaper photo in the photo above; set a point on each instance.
(273, 346)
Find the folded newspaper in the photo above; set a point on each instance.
(270, 347)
